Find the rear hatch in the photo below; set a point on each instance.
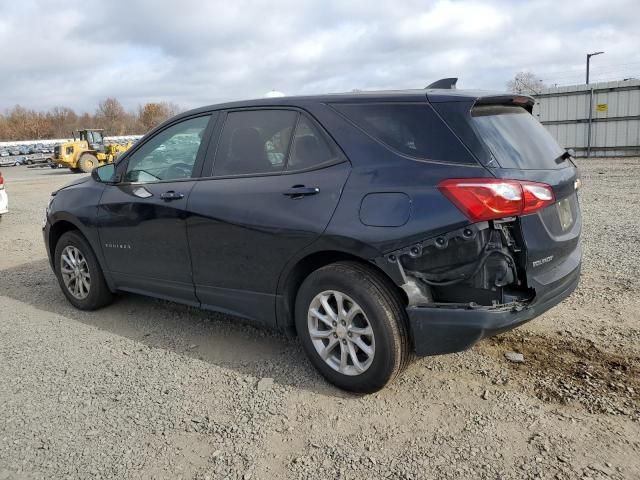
(512, 144)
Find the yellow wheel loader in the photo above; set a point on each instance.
(87, 152)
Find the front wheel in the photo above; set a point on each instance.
(353, 326)
(87, 162)
(79, 273)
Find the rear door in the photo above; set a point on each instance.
(276, 179)
(522, 149)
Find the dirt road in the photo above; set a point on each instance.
(149, 389)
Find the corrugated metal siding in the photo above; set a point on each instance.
(616, 132)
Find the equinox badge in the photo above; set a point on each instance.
(542, 261)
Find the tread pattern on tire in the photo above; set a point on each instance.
(81, 165)
(104, 295)
(383, 292)
(403, 343)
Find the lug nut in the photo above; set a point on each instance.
(335, 324)
(335, 335)
(350, 334)
(343, 322)
(344, 341)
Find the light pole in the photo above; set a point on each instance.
(589, 55)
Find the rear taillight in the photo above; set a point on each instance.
(1, 182)
(491, 198)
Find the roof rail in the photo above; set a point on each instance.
(444, 83)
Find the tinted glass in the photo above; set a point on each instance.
(516, 139)
(310, 147)
(412, 129)
(254, 142)
(169, 155)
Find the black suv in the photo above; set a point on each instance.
(374, 225)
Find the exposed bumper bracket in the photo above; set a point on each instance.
(447, 329)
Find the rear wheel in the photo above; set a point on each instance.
(88, 162)
(353, 326)
(79, 273)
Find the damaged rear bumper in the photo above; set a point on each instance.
(439, 329)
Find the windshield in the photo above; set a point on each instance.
(95, 137)
(516, 139)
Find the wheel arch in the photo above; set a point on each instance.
(63, 225)
(57, 230)
(291, 281)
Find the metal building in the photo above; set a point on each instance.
(614, 123)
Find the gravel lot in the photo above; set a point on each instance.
(150, 389)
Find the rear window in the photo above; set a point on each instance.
(254, 142)
(310, 147)
(516, 139)
(412, 129)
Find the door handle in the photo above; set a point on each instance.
(299, 191)
(171, 195)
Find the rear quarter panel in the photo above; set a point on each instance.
(378, 169)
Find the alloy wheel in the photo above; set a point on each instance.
(341, 332)
(75, 272)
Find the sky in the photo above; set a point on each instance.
(194, 53)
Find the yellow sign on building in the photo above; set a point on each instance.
(602, 107)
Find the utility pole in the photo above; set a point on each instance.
(589, 55)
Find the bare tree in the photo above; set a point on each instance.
(5, 131)
(63, 121)
(526, 83)
(19, 123)
(22, 122)
(153, 114)
(110, 115)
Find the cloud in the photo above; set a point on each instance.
(196, 52)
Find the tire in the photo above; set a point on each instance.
(88, 162)
(98, 294)
(75, 170)
(29, 162)
(382, 311)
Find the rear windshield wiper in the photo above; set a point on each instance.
(563, 156)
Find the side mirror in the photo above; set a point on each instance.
(571, 152)
(105, 173)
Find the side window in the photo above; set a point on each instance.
(310, 147)
(169, 155)
(255, 141)
(411, 129)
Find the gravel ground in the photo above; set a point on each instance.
(150, 389)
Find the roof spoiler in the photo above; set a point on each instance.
(444, 83)
(523, 101)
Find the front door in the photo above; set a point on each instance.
(142, 219)
(275, 183)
